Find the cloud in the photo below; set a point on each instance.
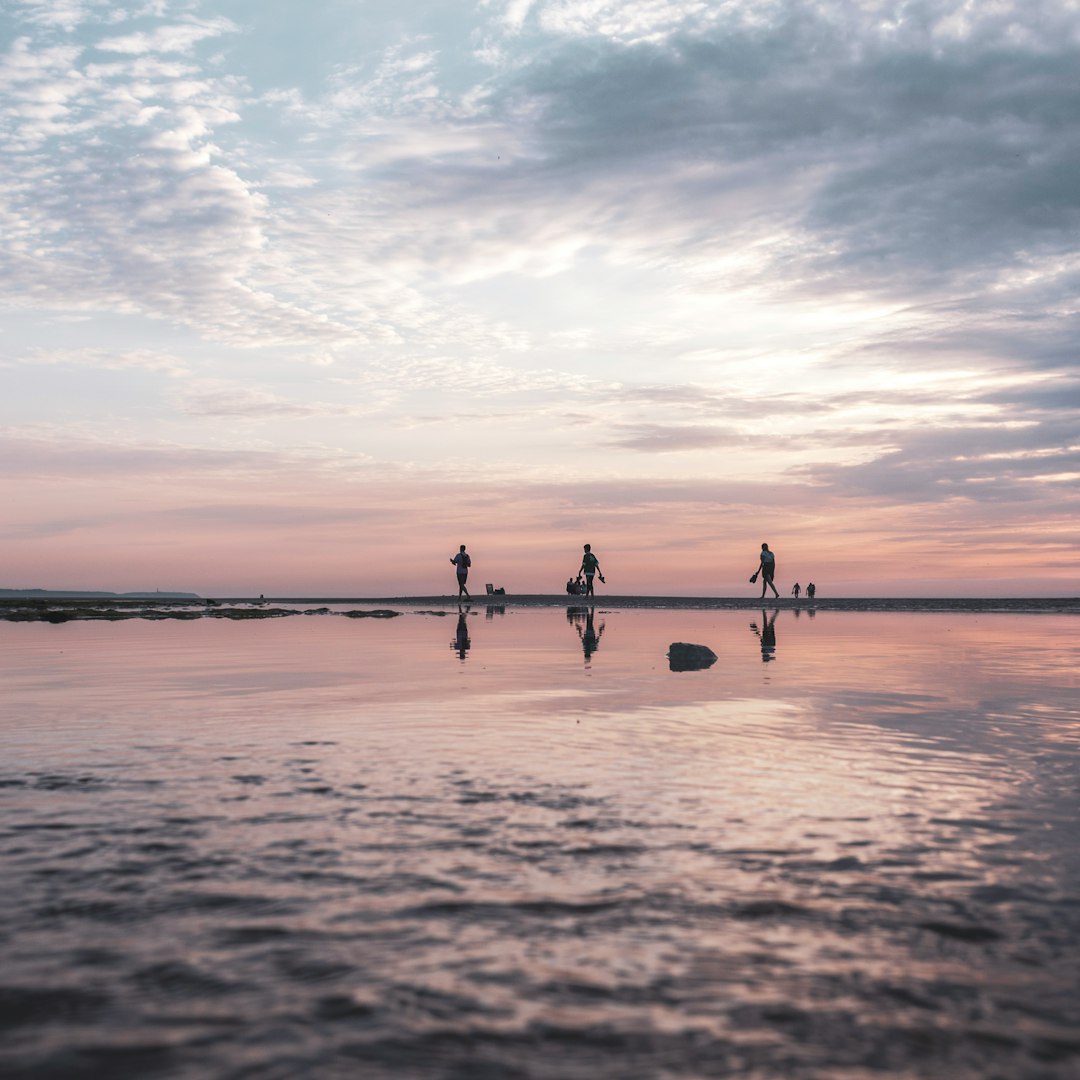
(152, 360)
(1012, 461)
(55, 456)
(853, 148)
(178, 37)
(141, 217)
(63, 14)
(480, 378)
(217, 398)
(671, 438)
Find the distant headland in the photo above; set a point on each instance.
(86, 594)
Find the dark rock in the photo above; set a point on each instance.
(686, 657)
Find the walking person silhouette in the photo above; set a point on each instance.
(767, 570)
(462, 562)
(590, 565)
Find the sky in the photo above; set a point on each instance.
(297, 298)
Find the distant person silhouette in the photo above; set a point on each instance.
(795, 590)
(590, 565)
(811, 589)
(462, 562)
(767, 570)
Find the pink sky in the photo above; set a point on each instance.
(299, 535)
(522, 276)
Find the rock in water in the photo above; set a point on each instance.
(685, 657)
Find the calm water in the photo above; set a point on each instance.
(516, 845)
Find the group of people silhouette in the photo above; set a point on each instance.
(582, 585)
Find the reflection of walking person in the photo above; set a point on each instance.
(461, 642)
(767, 570)
(590, 636)
(462, 561)
(767, 636)
(590, 565)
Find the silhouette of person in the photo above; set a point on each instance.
(767, 570)
(767, 635)
(795, 590)
(590, 565)
(811, 589)
(581, 619)
(462, 562)
(461, 643)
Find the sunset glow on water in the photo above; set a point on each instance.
(514, 843)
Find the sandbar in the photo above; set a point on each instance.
(62, 609)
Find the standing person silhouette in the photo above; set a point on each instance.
(795, 590)
(811, 589)
(462, 562)
(590, 565)
(767, 570)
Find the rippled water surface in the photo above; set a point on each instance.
(515, 844)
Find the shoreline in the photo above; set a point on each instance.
(1033, 605)
(63, 609)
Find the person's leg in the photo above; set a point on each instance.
(588, 585)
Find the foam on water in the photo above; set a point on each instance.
(363, 848)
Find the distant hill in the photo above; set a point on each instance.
(74, 594)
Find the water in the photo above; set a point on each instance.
(516, 845)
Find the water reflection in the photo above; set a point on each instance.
(766, 635)
(284, 848)
(462, 642)
(583, 619)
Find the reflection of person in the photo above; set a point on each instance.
(767, 635)
(462, 562)
(795, 590)
(590, 565)
(811, 589)
(581, 618)
(767, 570)
(461, 642)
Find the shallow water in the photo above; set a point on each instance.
(515, 844)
